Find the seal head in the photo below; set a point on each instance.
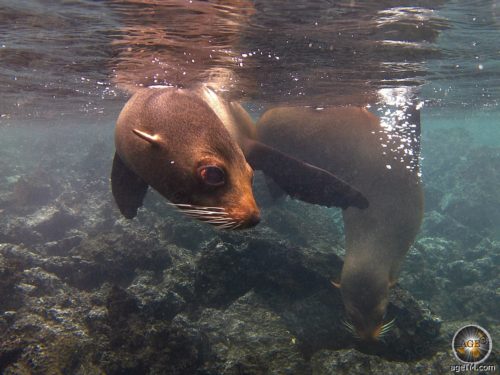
(365, 297)
(171, 140)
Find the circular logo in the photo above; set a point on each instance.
(472, 344)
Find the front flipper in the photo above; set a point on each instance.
(302, 180)
(128, 189)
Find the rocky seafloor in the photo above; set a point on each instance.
(85, 291)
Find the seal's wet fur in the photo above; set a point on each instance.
(351, 143)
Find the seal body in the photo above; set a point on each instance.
(182, 145)
(352, 143)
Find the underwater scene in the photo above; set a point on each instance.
(249, 187)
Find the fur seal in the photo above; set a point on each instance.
(172, 140)
(192, 147)
(352, 143)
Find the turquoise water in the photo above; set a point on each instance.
(85, 291)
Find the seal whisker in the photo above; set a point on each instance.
(226, 226)
(389, 324)
(182, 208)
(216, 216)
(237, 225)
(214, 221)
(348, 326)
(222, 209)
(192, 206)
(206, 213)
(387, 327)
(199, 212)
(209, 208)
(218, 221)
(210, 219)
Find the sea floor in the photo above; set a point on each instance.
(85, 291)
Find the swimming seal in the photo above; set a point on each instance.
(171, 140)
(189, 144)
(352, 143)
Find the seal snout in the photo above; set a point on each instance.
(370, 335)
(377, 332)
(252, 220)
(246, 218)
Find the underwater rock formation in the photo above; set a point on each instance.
(269, 312)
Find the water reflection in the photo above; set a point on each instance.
(59, 58)
(276, 51)
(178, 42)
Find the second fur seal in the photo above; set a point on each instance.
(352, 143)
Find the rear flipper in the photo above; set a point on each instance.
(128, 189)
(302, 180)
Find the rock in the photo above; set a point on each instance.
(62, 247)
(228, 270)
(250, 338)
(436, 224)
(352, 362)
(456, 281)
(35, 189)
(46, 224)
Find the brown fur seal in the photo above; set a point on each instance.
(352, 143)
(187, 144)
(172, 140)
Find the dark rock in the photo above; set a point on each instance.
(38, 188)
(226, 271)
(10, 275)
(63, 246)
(436, 224)
(109, 258)
(249, 338)
(120, 305)
(10, 351)
(352, 362)
(456, 281)
(47, 224)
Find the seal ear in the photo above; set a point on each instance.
(302, 180)
(151, 138)
(128, 189)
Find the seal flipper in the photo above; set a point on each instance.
(302, 180)
(128, 189)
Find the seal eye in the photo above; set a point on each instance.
(212, 175)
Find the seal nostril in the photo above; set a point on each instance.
(254, 220)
